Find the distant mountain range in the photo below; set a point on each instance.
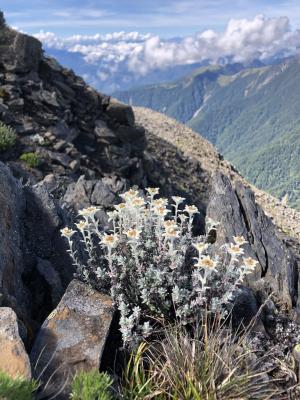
(101, 79)
(252, 116)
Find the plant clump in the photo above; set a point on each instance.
(19, 388)
(30, 159)
(209, 363)
(8, 137)
(91, 385)
(154, 269)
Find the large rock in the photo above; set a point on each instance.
(236, 210)
(18, 52)
(34, 264)
(14, 360)
(12, 206)
(73, 337)
(84, 193)
(120, 112)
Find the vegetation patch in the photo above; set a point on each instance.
(31, 159)
(16, 389)
(91, 386)
(152, 266)
(8, 137)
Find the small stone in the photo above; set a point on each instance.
(14, 360)
(48, 135)
(60, 145)
(74, 165)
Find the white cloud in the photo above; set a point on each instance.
(243, 40)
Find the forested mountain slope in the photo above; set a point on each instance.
(252, 117)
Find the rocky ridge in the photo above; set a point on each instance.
(90, 149)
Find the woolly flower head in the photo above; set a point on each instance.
(67, 232)
(109, 240)
(191, 210)
(169, 223)
(206, 262)
(239, 240)
(133, 234)
(201, 247)
(152, 191)
(177, 199)
(82, 225)
(130, 194)
(160, 202)
(88, 212)
(161, 211)
(235, 250)
(120, 207)
(250, 263)
(138, 202)
(171, 232)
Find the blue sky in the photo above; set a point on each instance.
(167, 18)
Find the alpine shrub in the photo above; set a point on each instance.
(143, 262)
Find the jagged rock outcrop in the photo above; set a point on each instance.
(14, 360)
(12, 206)
(72, 338)
(238, 214)
(73, 129)
(34, 267)
(89, 148)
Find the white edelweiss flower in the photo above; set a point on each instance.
(182, 217)
(133, 234)
(201, 247)
(88, 212)
(170, 223)
(171, 233)
(130, 194)
(82, 225)
(239, 240)
(235, 250)
(120, 207)
(160, 202)
(191, 210)
(177, 199)
(67, 232)
(109, 240)
(138, 202)
(152, 191)
(161, 211)
(206, 262)
(250, 263)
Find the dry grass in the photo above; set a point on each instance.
(209, 363)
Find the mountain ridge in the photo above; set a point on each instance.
(255, 108)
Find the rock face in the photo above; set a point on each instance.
(34, 266)
(72, 128)
(12, 206)
(14, 360)
(73, 337)
(236, 210)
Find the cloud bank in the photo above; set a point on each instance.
(243, 40)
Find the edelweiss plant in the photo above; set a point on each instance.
(143, 262)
